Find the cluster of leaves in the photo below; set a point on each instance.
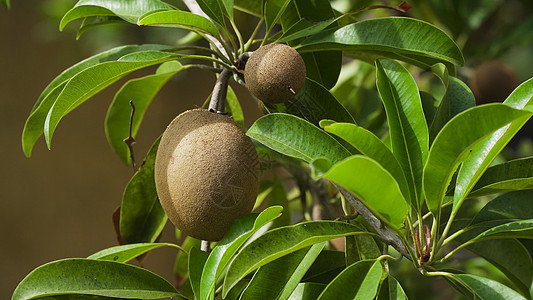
(407, 182)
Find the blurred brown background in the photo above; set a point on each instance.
(58, 204)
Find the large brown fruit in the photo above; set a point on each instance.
(206, 173)
(272, 71)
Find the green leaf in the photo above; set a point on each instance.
(141, 216)
(484, 154)
(91, 22)
(6, 4)
(228, 6)
(313, 103)
(125, 253)
(128, 10)
(453, 143)
(307, 291)
(273, 11)
(390, 289)
(197, 260)
(178, 18)
(370, 145)
(181, 264)
(237, 234)
(93, 277)
(323, 67)
(407, 39)
(510, 176)
(484, 288)
(252, 7)
(279, 242)
(304, 141)
(94, 79)
(407, 124)
(457, 99)
(279, 278)
(35, 123)
(522, 229)
(304, 28)
(234, 107)
(141, 91)
(507, 207)
(361, 247)
(214, 9)
(359, 175)
(358, 281)
(328, 262)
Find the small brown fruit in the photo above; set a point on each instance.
(206, 173)
(275, 73)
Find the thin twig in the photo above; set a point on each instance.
(130, 140)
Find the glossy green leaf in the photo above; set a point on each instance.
(214, 9)
(484, 288)
(390, 289)
(510, 176)
(484, 154)
(178, 18)
(141, 91)
(407, 124)
(507, 207)
(370, 145)
(304, 28)
(328, 262)
(93, 277)
(234, 107)
(279, 278)
(125, 253)
(407, 39)
(522, 229)
(273, 11)
(141, 216)
(181, 264)
(94, 79)
(361, 247)
(35, 123)
(197, 260)
(304, 141)
(358, 281)
(323, 67)
(307, 291)
(91, 22)
(313, 103)
(359, 175)
(252, 7)
(279, 242)
(128, 10)
(237, 234)
(452, 145)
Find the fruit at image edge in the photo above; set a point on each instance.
(272, 71)
(206, 173)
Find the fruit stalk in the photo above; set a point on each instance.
(220, 91)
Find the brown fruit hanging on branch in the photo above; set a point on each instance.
(206, 173)
(275, 73)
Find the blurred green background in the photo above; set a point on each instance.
(58, 204)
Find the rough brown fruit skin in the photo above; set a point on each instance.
(206, 173)
(271, 70)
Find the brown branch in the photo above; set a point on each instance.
(130, 140)
(220, 91)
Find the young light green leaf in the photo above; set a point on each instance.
(178, 18)
(313, 103)
(125, 253)
(141, 216)
(390, 289)
(237, 234)
(279, 242)
(35, 123)
(374, 186)
(370, 145)
(510, 176)
(107, 278)
(358, 281)
(279, 278)
(304, 141)
(522, 229)
(484, 288)
(407, 39)
(197, 260)
(141, 91)
(129, 11)
(453, 143)
(93, 79)
(307, 291)
(458, 98)
(484, 154)
(407, 124)
(234, 107)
